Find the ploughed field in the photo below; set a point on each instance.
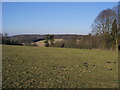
(41, 67)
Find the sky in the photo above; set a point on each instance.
(60, 0)
(50, 17)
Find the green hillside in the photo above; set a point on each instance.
(41, 67)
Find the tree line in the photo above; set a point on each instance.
(5, 40)
(105, 33)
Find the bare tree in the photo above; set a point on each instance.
(102, 26)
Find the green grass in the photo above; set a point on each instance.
(41, 67)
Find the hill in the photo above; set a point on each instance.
(28, 38)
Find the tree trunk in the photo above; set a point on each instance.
(116, 42)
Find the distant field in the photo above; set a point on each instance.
(41, 67)
(41, 43)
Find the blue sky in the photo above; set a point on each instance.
(50, 17)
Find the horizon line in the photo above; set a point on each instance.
(50, 34)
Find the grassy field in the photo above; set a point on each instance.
(40, 67)
(42, 44)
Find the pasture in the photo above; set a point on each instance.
(42, 44)
(41, 67)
